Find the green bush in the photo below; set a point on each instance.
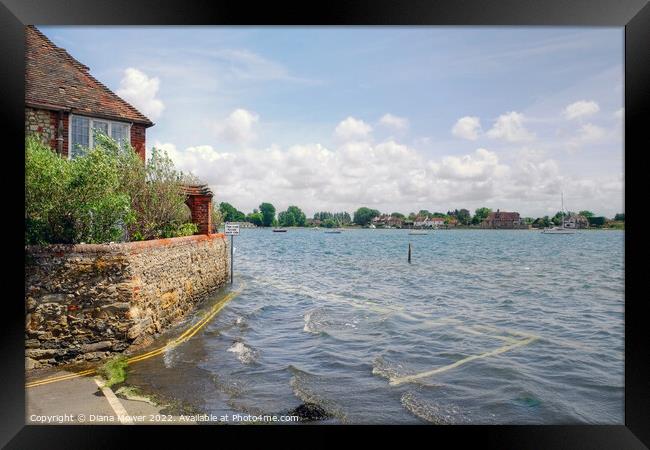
(106, 195)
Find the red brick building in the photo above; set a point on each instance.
(66, 105)
(503, 219)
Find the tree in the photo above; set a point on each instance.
(298, 215)
(322, 215)
(587, 214)
(480, 215)
(217, 219)
(620, 217)
(286, 219)
(230, 213)
(363, 215)
(558, 217)
(342, 218)
(463, 216)
(255, 218)
(542, 222)
(596, 221)
(268, 214)
(329, 223)
(424, 213)
(398, 215)
(292, 217)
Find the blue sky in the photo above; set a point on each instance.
(396, 118)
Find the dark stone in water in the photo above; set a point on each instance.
(309, 412)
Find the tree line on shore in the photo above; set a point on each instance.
(293, 216)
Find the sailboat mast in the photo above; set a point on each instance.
(562, 194)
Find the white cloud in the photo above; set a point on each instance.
(581, 109)
(352, 129)
(389, 176)
(394, 122)
(620, 113)
(467, 127)
(238, 127)
(587, 134)
(140, 90)
(510, 127)
(478, 166)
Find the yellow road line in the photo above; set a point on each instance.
(187, 334)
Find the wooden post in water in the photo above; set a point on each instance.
(409, 253)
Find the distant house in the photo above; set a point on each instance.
(426, 222)
(313, 222)
(576, 221)
(452, 222)
(66, 105)
(503, 219)
(380, 220)
(395, 222)
(438, 222)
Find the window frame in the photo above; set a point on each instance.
(90, 129)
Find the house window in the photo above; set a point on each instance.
(84, 129)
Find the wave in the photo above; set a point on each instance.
(318, 320)
(244, 353)
(308, 388)
(432, 412)
(385, 369)
(332, 297)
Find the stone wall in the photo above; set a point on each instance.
(45, 123)
(85, 302)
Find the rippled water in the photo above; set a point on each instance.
(482, 327)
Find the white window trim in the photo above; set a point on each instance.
(90, 130)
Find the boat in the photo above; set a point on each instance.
(372, 226)
(561, 229)
(418, 232)
(279, 230)
(333, 231)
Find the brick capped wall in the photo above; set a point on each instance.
(201, 208)
(86, 302)
(138, 135)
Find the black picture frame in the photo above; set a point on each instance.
(634, 15)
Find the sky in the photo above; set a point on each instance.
(393, 118)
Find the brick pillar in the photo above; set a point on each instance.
(199, 200)
(138, 135)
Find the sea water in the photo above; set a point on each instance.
(482, 327)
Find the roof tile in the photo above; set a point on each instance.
(54, 79)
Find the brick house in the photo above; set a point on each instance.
(503, 219)
(65, 104)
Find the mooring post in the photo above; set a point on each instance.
(232, 261)
(409, 253)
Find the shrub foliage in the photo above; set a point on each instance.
(105, 195)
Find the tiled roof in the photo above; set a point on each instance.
(197, 189)
(54, 79)
(502, 215)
